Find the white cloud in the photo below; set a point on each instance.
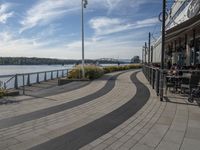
(10, 45)
(46, 11)
(105, 25)
(101, 44)
(146, 22)
(4, 12)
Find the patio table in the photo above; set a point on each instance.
(176, 79)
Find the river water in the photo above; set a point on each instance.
(19, 69)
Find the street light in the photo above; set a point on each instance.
(162, 50)
(83, 5)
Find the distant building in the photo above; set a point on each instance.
(135, 59)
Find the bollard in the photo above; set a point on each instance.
(16, 81)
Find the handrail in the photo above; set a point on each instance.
(11, 75)
(183, 70)
(15, 77)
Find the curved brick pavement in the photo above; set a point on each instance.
(41, 103)
(116, 120)
(7, 122)
(95, 129)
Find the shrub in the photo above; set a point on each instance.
(91, 72)
(2, 92)
(120, 68)
(94, 72)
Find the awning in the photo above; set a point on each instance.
(183, 27)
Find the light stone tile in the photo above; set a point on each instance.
(168, 146)
(142, 147)
(190, 144)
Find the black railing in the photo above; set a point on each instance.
(157, 82)
(153, 76)
(18, 80)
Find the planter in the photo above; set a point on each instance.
(12, 93)
(63, 81)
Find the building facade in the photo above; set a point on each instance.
(182, 35)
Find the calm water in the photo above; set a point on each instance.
(18, 69)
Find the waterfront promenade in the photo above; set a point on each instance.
(119, 111)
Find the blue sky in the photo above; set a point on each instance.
(51, 28)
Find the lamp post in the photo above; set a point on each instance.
(149, 49)
(83, 5)
(162, 50)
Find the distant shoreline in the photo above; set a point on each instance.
(50, 61)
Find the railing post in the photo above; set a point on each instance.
(161, 84)
(150, 76)
(51, 75)
(67, 72)
(62, 73)
(16, 81)
(57, 73)
(4, 85)
(157, 81)
(23, 85)
(45, 76)
(38, 78)
(153, 84)
(28, 80)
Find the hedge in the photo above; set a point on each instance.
(94, 72)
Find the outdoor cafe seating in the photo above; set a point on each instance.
(184, 82)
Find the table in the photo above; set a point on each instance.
(176, 80)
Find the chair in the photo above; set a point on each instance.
(170, 83)
(190, 84)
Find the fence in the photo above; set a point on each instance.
(153, 76)
(18, 80)
(157, 78)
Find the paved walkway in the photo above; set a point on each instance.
(118, 111)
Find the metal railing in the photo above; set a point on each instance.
(153, 75)
(26, 79)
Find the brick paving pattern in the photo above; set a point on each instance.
(174, 124)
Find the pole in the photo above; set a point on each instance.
(152, 54)
(145, 52)
(162, 51)
(23, 85)
(143, 55)
(82, 21)
(149, 48)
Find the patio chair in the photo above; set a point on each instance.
(194, 94)
(170, 83)
(189, 85)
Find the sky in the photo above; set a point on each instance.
(52, 28)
